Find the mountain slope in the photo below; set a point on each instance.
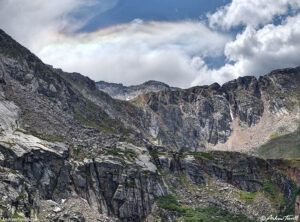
(282, 146)
(48, 129)
(69, 152)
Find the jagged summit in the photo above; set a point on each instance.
(154, 83)
(119, 91)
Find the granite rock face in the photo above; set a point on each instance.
(203, 117)
(108, 186)
(45, 184)
(69, 152)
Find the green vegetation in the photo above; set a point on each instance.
(209, 214)
(290, 208)
(272, 192)
(155, 154)
(85, 121)
(46, 137)
(91, 119)
(127, 153)
(13, 171)
(169, 202)
(21, 131)
(202, 154)
(8, 143)
(114, 152)
(285, 146)
(129, 183)
(186, 183)
(21, 197)
(270, 188)
(130, 153)
(296, 94)
(78, 154)
(111, 126)
(247, 196)
(274, 135)
(17, 217)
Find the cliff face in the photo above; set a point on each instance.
(241, 115)
(69, 152)
(46, 184)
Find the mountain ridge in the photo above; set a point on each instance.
(71, 152)
(119, 91)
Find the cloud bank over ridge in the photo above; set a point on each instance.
(133, 53)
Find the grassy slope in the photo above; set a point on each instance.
(286, 146)
(209, 214)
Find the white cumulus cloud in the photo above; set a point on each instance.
(250, 12)
(258, 51)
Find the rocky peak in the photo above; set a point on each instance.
(155, 83)
(119, 91)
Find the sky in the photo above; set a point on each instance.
(180, 42)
